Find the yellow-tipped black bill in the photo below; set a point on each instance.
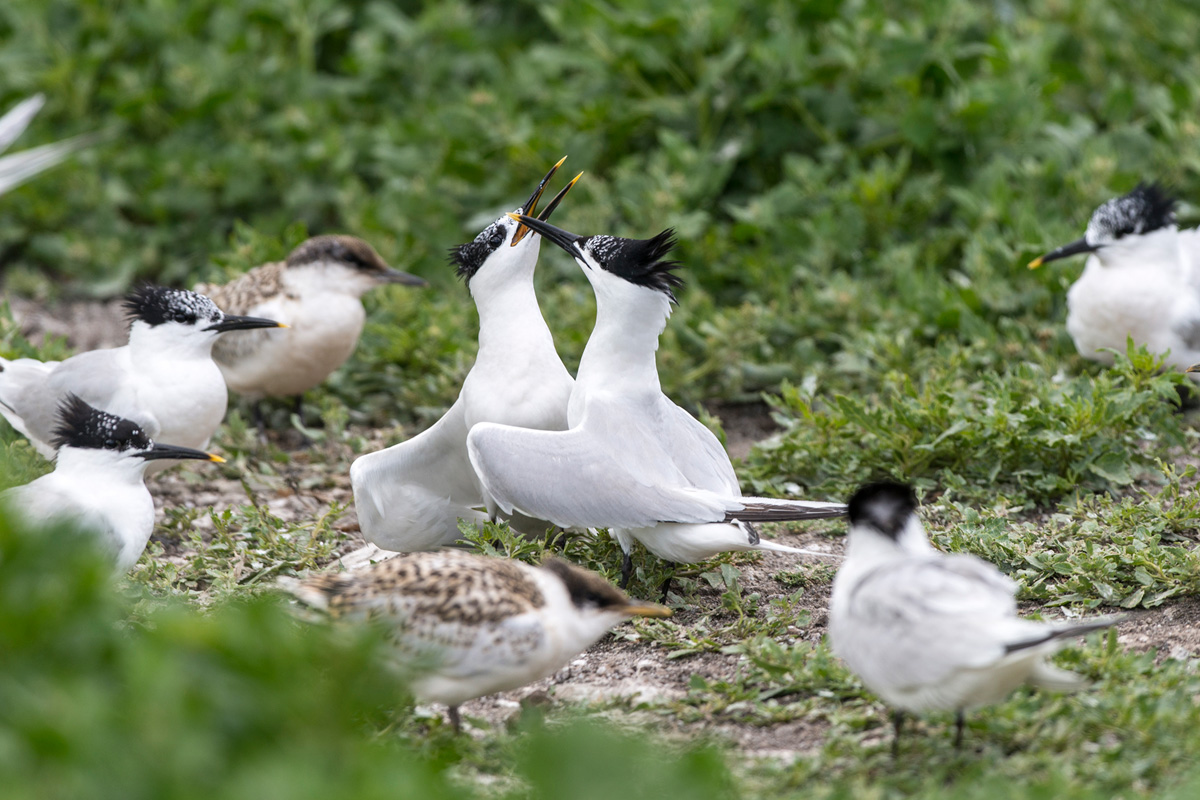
(1193, 368)
(174, 452)
(1074, 248)
(564, 239)
(530, 206)
(233, 322)
(648, 610)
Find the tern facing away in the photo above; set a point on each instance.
(98, 480)
(164, 380)
(16, 168)
(411, 495)
(1141, 280)
(632, 461)
(480, 625)
(927, 630)
(317, 292)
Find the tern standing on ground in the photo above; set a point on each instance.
(317, 292)
(411, 495)
(98, 480)
(164, 380)
(929, 631)
(1142, 279)
(632, 460)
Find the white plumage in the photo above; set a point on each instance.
(411, 495)
(16, 168)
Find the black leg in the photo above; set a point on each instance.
(626, 569)
(455, 719)
(558, 540)
(666, 588)
(897, 725)
(298, 409)
(959, 721)
(260, 421)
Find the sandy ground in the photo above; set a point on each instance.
(614, 669)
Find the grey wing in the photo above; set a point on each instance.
(573, 479)
(698, 452)
(27, 402)
(411, 495)
(99, 377)
(926, 618)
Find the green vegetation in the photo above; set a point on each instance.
(856, 187)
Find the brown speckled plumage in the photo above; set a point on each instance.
(240, 295)
(449, 586)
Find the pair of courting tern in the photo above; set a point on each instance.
(411, 496)
(1141, 280)
(478, 625)
(16, 168)
(98, 480)
(164, 380)
(317, 293)
(631, 460)
(927, 630)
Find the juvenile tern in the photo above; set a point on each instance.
(411, 495)
(1141, 280)
(927, 630)
(480, 625)
(16, 168)
(632, 460)
(97, 483)
(164, 380)
(317, 292)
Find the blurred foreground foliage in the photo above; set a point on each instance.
(104, 694)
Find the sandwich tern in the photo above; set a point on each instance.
(98, 480)
(1141, 280)
(632, 460)
(164, 380)
(480, 624)
(317, 292)
(411, 495)
(16, 168)
(927, 630)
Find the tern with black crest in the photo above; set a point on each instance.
(931, 631)
(412, 495)
(1141, 280)
(632, 460)
(165, 379)
(97, 484)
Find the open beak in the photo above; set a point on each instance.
(530, 206)
(233, 322)
(648, 610)
(171, 451)
(1074, 248)
(390, 275)
(1193, 368)
(564, 239)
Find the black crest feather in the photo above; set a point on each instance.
(885, 506)
(468, 258)
(84, 426)
(155, 305)
(1148, 207)
(639, 261)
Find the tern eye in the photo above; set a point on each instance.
(497, 239)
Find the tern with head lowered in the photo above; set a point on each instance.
(930, 631)
(412, 495)
(97, 484)
(469, 625)
(632, 461)
(164, 380)
(1141, 280)
(317, 292)
(16, 168)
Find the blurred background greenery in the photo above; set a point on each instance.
(857, 186)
